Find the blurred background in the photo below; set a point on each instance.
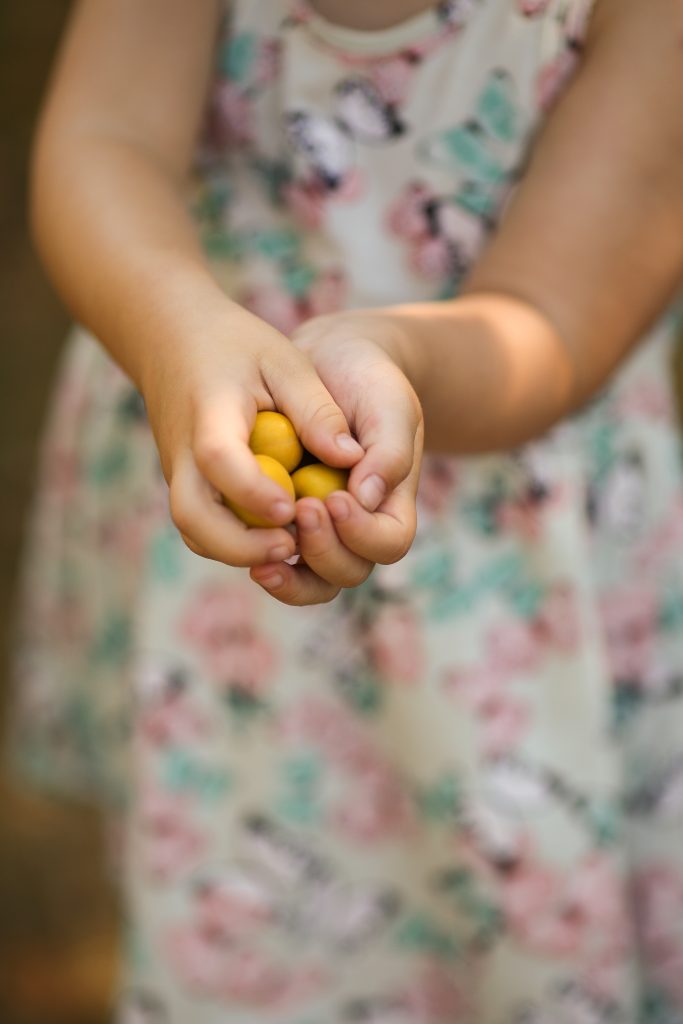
(58, 921)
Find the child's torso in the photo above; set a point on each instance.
(344, 167)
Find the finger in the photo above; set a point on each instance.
(383, 536)
(211, 528)
(294, 584)
(387, 432)
(318, 420)
(220, 448)
(322, 550)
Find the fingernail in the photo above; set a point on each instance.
(272, 581)
(308, 518)
(339, 509)
(371, 492)
(279, 509)
(348, 444)
(280, 553)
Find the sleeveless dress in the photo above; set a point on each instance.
(455, 794)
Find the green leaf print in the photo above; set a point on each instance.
(112, 645)
(278, 244)
(671, 613)
(244, 705)
(656, 1008)
(165, 556)
(237, 56)
(435, 570)
(605, 823)
(362, 692)
(298, 280)
(625, 704)
(109, 466)
(299, 803)
(442, 801)
(497, 108)
(184, 773)
(465, 147)
(418, 933)
(463, 889)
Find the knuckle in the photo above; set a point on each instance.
(397, 549)
(355, 579)
(180, 511)
(322, 412)
(399, 462)
(208, 451)
(190, 544)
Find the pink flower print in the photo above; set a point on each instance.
(395, 644)
(629, 617)
(222, 623)
(512, 647)
(377, 809)
(231, 117)
(502, 719)
(406, 217)
(228, 906)
(252, 979)
(306, 200)
(649, 399)
(432, 257)
(276, 306)
(557, 622)
(267, 67)
(392, 78)
(350, 187)
(521, 518)
(553, 78)
(576, 25)
(331, 729)
(532, 902)
(579, 913)
(437, 484)
(658, 892)
(236, 974)
(62, 472)
(171, 842)
(197, 958)
(435, 997)
(172, 719)
(327, 294)
(532, 8)
(462, 229)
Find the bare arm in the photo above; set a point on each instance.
(110, 163)
(588, 255)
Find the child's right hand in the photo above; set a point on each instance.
(202, 399)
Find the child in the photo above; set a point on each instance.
(453, 793)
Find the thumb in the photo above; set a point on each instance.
(321, 425)
(390, 424)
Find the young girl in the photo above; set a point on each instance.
(454, 793)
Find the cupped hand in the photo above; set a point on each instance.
(357, 357)
(202, 401)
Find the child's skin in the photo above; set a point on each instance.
(588, 255)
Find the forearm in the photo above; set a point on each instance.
(491, 371)
(114, 232)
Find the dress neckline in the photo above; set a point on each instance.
(419, 33)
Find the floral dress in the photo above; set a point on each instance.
(454, 794)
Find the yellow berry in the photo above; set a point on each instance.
(319, 481)
(274, 435)
(276, 471)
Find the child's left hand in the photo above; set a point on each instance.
(357, 356)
